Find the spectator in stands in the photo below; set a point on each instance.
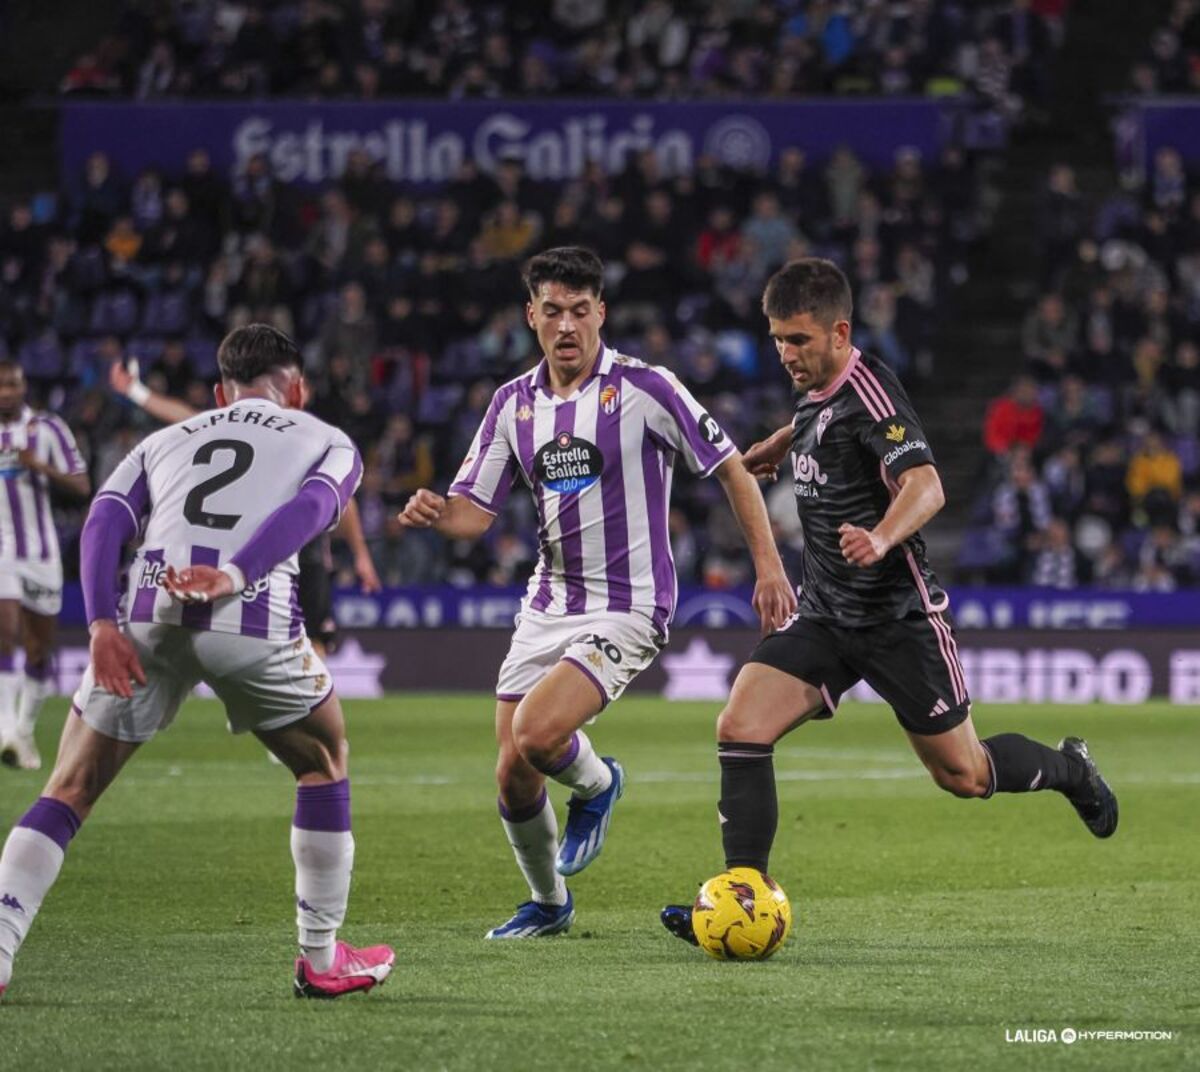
(99, 199)
(1061, 219)
(1021, 511)
(350, 333)
(1058, 563)
(1155, 478)
(1051, 326)
(1016, 419)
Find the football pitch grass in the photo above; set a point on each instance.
(929, 929)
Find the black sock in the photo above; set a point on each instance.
(1021, 765)
(749, 808)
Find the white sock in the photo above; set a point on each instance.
(533, 834)
(324, 860)
(10, 691)
(28, 867)
(33, 692)
(580, 768)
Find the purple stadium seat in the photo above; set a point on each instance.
(114, 313)
(84, 358)
(42, 356)
(202, 353)
(166, 313)
(438, 404)
(1188, 449)
(316, 310)
(145, 348)
(70, 316)
(89, 270)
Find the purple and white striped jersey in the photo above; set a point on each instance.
(27, 531)
(599, 466)
(202, 487)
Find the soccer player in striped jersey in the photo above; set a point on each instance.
(37, 454)
(314, 583)
(594, 435)
(871, 607)
(230, 495)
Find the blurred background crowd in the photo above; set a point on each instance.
(581, 48)
(408, 304)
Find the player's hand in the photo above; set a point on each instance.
(774, 600)
(762, 459)
(120, 379)
(364, 568)
(860, 547)
(197, 584)
(115, 660)
(29, 460)
(423, 510)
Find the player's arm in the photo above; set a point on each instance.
(112, 521)
(762, 459)
(76, 484)
(125, 381)
(349, 528)
(455, 517)
(918, 501)
(774, 598)
(316, 508)
(481, 485)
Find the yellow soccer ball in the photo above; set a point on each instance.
(741, 914)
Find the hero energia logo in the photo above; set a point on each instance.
(568, 464)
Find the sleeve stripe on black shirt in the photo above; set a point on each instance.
(871, 391)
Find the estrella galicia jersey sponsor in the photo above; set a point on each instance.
(850, 443)
(599, 467)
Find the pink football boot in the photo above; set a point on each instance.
(353, 969)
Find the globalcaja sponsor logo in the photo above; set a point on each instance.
(904, 448)
(569, 464)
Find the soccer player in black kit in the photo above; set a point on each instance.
(870, 607)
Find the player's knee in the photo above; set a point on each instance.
(735, 723)
(536, 742)
(537, 747)
(960, 781)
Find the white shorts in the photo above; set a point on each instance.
(264, 684)
(612, 649)
(37, 585)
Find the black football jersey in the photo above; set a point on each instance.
(850, 443)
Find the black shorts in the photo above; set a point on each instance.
(912, 663)
(314, 591)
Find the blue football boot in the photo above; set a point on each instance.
(534, 920)
(587, 824)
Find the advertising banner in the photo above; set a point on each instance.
(1017, 666)
(425, 142)
(483, 607)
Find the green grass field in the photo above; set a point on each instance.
(927, 926)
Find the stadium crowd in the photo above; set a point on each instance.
(372, 49)
(410, 309)
(1171, 61)
(1095, 449)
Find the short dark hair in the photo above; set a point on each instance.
(249, 352)
(809, 285)
(8, 364)
(572, 266)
